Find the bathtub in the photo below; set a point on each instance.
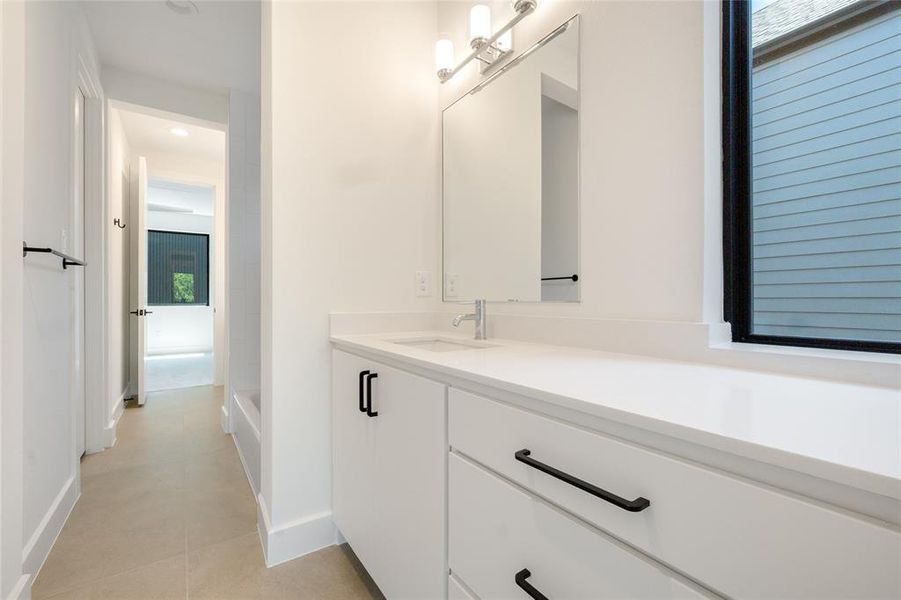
(246, 423)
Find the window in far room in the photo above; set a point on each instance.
(178, 268)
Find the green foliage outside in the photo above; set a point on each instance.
(183, 287)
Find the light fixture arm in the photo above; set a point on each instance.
(523, 9)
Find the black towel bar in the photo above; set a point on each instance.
(68, 261)
(572, 277)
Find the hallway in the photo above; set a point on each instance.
(168, 513)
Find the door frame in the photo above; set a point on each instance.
(86, 79)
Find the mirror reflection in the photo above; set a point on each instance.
(511, 180)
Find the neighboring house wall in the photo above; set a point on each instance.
(827, 187)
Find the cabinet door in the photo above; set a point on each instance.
(410, 482)
(352, 456)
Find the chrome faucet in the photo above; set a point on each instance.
(479, 317)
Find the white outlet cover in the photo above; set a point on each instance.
(423, 283)
(450, 286)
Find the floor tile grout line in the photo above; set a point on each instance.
(97, 580)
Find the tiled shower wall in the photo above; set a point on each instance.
(243, 242)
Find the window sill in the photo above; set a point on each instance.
(869, 368)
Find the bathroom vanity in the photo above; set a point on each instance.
(503, 469)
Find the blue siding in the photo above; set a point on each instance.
(827, 188)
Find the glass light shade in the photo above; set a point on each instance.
(479, 22)
(444, 54)
(505, 42)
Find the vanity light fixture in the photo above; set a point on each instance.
(487, 48)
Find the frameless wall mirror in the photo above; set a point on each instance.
(511, 180)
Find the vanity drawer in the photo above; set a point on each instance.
(741, 539)
(497, 531)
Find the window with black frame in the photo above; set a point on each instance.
(178, 268)
(812, 172)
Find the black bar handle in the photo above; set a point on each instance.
(363, 374)
(573, 277)
(637, 505)
(369, 410)
(520, 579)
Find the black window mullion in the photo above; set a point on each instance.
(737, 187)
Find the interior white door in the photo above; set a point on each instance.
(76, 248)
(138, 281)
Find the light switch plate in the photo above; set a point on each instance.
(423, 283)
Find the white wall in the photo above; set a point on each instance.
(642, 153)
(243, 244)
(350, 213)
(118, 169)
(559, 199)
(179, 329)
(492, 188)
(54, 34)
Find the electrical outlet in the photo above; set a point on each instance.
(423, 283)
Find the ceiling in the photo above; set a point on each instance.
(174, 197)
(148, 134)
(219, 48)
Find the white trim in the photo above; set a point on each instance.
(295, 538)
(224, 420)
(109, 432)
(38, 547)
(22, 589)
(96, 199)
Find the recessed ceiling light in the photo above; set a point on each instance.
(182, 7)
(179, 132)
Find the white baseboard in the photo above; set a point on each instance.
(224, 422)
(294, 539)
(22, 589)
(109, 432)
(180, 350)
(38, 547)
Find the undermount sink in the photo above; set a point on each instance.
(437, 344)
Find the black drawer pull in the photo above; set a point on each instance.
(527, 587)
(369, 410)
(362, 398)
(637, 505)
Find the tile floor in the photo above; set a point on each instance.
(168, 513)
(176, 371)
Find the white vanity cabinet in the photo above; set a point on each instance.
(389, 474)
(446, 493)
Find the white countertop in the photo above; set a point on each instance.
(849, 434)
